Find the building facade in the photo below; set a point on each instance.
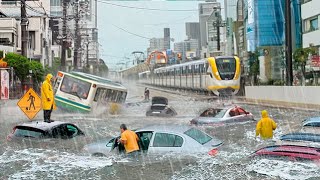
(310, 20)
(166, 38)
(38, 31)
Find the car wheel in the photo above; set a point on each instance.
(98, 155)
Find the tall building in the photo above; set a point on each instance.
(166, 38)
(208, 14)
(38, 33)
(311, 27)
(88, 30)
(266, 32)
(230, 7)
(193, 32)
(156, 44)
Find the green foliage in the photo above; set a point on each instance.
(301, 56)
(22, 65)
(253, 63)
(1, 54)
(37, 71)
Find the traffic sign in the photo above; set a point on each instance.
(30, 103)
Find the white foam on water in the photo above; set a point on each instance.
(50, 162)
(285, 169)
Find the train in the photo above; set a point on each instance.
(219, 75)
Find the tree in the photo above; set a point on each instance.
(254, 66)
(301, 56)
(22, 65)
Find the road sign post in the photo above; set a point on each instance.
(30, 104)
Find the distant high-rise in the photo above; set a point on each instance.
(193, 30)
(166, 38)
(207, 15)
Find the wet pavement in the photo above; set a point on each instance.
(64, 159)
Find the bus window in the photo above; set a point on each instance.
(98, 93)
(123, 97)
(75, 87)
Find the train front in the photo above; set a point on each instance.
(224, 74)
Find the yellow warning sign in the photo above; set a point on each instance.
(30, 103)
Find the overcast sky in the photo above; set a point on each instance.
(116, 43)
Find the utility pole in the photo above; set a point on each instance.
(87, 54)
(77, 38)
(218, 23)
(64, 35)
(288, 43)
(24, 21)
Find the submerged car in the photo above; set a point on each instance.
(311, 125)
(222, 116)
(291, 151)
(40, 130)
(160, 107)
(162, 139)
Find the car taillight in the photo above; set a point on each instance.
(213, 152)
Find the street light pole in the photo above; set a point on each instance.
(288, 42)
(218, 23)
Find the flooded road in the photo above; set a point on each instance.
(64, 159)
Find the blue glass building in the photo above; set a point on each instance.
(267, 24)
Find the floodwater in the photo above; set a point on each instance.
(64, 159)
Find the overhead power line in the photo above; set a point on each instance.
(130, 32)
(144, 8)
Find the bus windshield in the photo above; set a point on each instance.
(75, 87)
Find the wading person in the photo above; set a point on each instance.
(265, 126)
(47, 98)
(146, 94)
(130, 140)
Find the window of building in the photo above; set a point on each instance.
(311, 24)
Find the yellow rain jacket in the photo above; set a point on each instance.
(47, 96)
(265, 126)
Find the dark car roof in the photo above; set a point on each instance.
(159, 100)
(301, 137)
(44, 126)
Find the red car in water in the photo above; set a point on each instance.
(291, 151)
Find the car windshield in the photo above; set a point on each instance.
(217, 113)
(313, 124)
(28, 132)
(198, 135)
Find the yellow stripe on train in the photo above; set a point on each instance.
(222, 87)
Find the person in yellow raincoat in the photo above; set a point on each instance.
(47, 98)
(265, 126)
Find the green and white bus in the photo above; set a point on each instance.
(77, 91)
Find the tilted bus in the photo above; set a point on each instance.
(77, 91)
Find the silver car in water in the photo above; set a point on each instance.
(162, 139)
(222, 116)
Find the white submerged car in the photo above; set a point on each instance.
(162, 139)
(222, 116)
